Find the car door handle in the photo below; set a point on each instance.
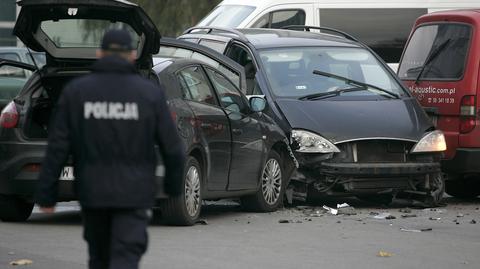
(237, 131)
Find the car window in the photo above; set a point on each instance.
(174, 52)
(280, 18)
(230, 97)
(448, 43)
(195, 85)
(218, 46)
(12, 80)
(10, 56)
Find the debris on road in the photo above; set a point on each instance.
(385, 215)
(431, 218)
(405, 210)
(384, 254)
(460, 215)
(21, 262)
(409, 216)
(284, 221)
(330, 210)
(342, 205)
(473, 221)
(416, 230)
(202, 222)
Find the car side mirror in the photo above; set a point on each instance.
(257, 104)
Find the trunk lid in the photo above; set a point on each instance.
(70, 31)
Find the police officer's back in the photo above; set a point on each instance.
(110, 121)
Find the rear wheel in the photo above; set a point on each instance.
(185, 208)
(270, 194)
(14, 209)
(463, 187)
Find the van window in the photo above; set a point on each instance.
(445, 44)
(280, 18)
(229, 16)
(385, 30)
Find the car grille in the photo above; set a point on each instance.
(380, 151)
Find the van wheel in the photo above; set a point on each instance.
(437, 190)
(463, 187)
(14, 209)
(184, 209)
(269, 196)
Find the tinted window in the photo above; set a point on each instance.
(195, 85)
(173, 52)
(290, 70)
(230, 97)
(384, 30)
(227, 16)
(281, 18)
(444, 46)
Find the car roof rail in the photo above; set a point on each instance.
(308, 28)
(210, 29)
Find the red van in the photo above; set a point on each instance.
(440, 65)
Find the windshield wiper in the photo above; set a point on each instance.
(359, 86)
(317, 96)
(431, 57)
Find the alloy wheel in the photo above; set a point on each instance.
(272, 181)
(192, 191)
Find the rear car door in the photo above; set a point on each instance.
(210, 122)
(248, 142)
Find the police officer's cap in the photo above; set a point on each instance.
(117, 40)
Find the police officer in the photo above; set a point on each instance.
(110, 121)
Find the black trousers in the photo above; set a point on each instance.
(117, 238)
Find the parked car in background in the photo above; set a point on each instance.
(382, 25)
(440, 66)
(19, 54)
(354, 128)
(233, 149)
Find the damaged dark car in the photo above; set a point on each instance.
(354, 127)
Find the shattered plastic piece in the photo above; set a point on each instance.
(330, 210)
(409, 216)
(473, 221)
(384, 254)
(434, 218)
(381, 215)
(405, 210)
(460, 215)
(201, 222)
(284, 221)
(342, 205)
(21, 262)
(416, 230)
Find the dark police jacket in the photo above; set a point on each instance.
(110, 122)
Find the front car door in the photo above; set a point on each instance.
(248, 141)
(211, 124)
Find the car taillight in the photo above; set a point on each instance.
(9, 116)
(468, 114)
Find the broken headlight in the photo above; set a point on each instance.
(308, 142)
(431, 142)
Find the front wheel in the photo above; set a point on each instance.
(14, 209)
(184, 209)
(270, 194)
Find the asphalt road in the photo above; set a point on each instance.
(236, 239)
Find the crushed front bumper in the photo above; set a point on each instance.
(379, 169)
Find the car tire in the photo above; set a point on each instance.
(184, 209)
(269, 196)
(463, 187)
(14, 209)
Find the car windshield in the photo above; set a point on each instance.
(290, 71)
(227, 16)
(82, 33)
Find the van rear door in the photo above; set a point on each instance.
(437, 69)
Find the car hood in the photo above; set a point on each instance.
(94, 14)
(341, 121)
